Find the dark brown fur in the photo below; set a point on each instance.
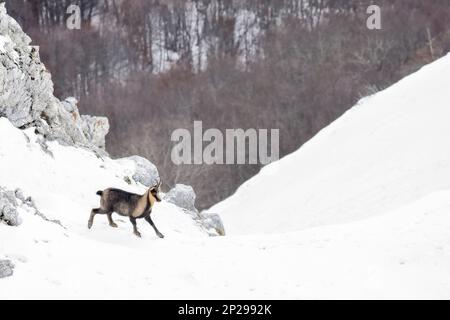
(129, 205)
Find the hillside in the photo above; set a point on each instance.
(292, 65)
(402, 254)
(361, 211)
(386, 152)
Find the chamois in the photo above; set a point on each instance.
(129, 205)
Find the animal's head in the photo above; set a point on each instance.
(154, 191)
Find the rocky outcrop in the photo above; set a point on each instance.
(145, 172)
(94, 129)
(212, 223)
(6, 268)
(26, 93)
(182, 196)
(8, 208)
(10, 204)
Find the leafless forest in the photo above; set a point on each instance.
(154, 66)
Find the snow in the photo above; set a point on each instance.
(4, 40)
(361, 211)
(387, 151)
(64, 183)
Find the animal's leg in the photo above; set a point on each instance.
(91, 218)
(149, 220)
(135, 230)
(110, 220)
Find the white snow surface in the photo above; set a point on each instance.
(389, 150)
(361, 211)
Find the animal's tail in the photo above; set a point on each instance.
(100, 193)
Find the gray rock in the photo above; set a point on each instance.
(19, 195)
(212, 221)
(6, 268)
(182, 196)
(3, 203)
(30, 202)
(26, 93)
(145, 171)
(11, 201)
(70, 104)
(8, 208)
(10, 196)
(95, 130)
(10, 215)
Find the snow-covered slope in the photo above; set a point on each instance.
(63, 182)
(389, 150)
(402, 253)
(382, 171)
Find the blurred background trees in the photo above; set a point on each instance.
(295, 65)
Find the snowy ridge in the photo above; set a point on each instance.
(389, 150)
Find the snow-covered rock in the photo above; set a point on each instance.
(19, 195)
(8, 208)
(213, 223)
(13, 202)
(6, 268)
(70, 105)
(95, 130)
(26, 93)
(144, 172)
(182, 196)
(9, 215)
